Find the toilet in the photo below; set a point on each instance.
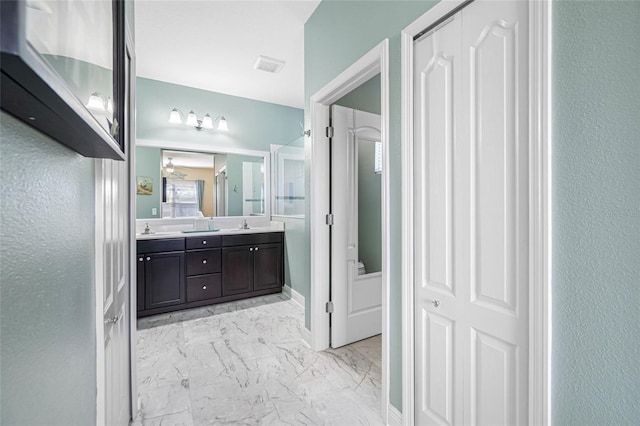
(361, 269)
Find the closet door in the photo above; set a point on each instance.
(472, 225)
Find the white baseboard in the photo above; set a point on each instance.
(394, 417)
(299, 300)
(293, 295)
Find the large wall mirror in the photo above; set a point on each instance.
(178, 183)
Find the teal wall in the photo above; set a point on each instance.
(253, 125)
(365, 97)
(148, 165)
(47, 298)
(357, 27)
(596, 213)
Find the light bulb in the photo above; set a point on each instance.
(207, 123)
(222, 124)
(96, 103)
(192, 120)
(175, 117)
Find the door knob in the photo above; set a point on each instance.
(435, 303)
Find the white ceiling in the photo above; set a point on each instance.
(212, 45)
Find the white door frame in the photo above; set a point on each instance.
(539, 207)
(374, 62)
(130, 128)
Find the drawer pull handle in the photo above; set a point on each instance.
(204, 242)
(204, 261)
(204, 287)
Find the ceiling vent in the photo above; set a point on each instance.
(264, 63)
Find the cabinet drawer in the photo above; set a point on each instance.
(203, 242)
(201, 262)
(161, 245)
(248, 239)
(204, 287)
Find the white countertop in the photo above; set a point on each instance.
(181, 234)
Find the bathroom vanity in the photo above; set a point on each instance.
(185, 270)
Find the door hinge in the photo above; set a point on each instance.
(329, 307)
(330, 219)
(329, 131)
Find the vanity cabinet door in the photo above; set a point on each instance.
(237, 270)
(267, 269)
(140, 282)
(164, 279)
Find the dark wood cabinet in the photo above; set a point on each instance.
(164, 279)
(180, 273)
(237, 270)
(267, 266)
(250, 268)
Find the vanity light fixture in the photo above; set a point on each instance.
(207, 122)
(169, 168)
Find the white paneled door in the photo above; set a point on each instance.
(357, 298)
(471, 153)
(112, 236)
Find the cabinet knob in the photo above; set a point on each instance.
(148, 258)
(256, 248)
(204, 261)
(141, 259)
(204, 287)
(204, 242)
(251, 249)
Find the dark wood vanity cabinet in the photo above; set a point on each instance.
(251, 262)
(204, 268)
(238, 270)
(161, 273)
(207, 270)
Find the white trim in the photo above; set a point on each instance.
(372, 63)
(199, 147)
(540, 202)
(133, 264)
(293, 295)
(395, 416)
(99, 292)
(540, 193)
(306, 336)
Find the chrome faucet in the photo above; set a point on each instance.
(147, 230)
(244, 224)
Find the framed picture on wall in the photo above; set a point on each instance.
(144, 185)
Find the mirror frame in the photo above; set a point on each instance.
(216, 149)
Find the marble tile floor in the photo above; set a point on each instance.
(244, 363)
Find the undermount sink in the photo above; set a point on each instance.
(189, 231)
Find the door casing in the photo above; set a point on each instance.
(539, 207)
(374, 62)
